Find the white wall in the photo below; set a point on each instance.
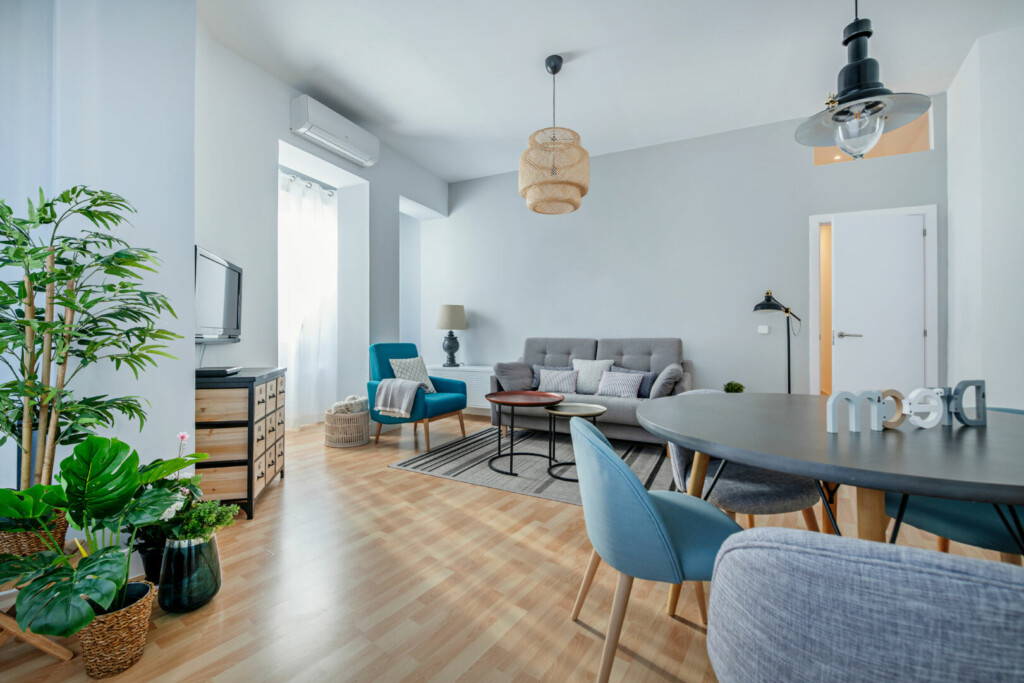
(986, 206)
(106, 97)
(679, 240)
(242, 113)
(409, 279)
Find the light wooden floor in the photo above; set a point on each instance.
(354, 571)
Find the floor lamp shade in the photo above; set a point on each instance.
(772, 305)
(451, 317)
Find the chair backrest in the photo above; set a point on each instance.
(557, 351)
(381, 355)
(623, 525)
(890, 612)
(637, 353)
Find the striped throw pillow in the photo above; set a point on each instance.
(621, 384)
(414, 369)
(558, 381)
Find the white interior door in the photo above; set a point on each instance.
(878, 302)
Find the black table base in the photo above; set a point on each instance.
(553, 463)
(512, 452)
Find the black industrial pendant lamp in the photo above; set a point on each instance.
(863, 109)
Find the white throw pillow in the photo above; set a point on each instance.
(558, 381)
(590, 374)
(622, 384)
(414, 369)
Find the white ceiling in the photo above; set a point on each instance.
(458, 86)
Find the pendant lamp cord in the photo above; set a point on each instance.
(552, 102)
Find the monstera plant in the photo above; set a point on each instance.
(103, 490)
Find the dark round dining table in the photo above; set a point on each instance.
(786, 433)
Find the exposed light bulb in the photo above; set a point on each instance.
(858, 128)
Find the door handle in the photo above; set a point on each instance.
(843, 335)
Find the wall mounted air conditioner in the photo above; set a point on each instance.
(332, 131)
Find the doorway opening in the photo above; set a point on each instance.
(873, 300)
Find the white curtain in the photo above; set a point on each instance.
(307, 297)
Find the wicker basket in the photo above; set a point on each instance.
(344, 430)
(27, 542)
(113, 642)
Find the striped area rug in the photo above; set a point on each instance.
(466, 460)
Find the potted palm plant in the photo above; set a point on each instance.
(89, 592)
(77, 301)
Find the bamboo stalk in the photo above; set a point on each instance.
(45, 362)
(62, 368)
(29, 364)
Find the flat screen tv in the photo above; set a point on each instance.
(218, 299)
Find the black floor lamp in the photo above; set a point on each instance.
(769, 305)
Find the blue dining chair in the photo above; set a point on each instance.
(653, 535)
(448, 401)
(983, 525)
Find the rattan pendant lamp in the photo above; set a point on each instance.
(554, 171)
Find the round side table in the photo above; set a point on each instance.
(588, 411)
(513, 400)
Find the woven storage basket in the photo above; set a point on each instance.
(113, 642)
(344, 430)
(27, 542)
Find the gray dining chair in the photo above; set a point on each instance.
(788, 605)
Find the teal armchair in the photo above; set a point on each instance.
(449, 401)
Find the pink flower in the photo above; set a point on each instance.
(183, 436)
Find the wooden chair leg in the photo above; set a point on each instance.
(673, 598)
(426, 433)
(1010, 558)
(732, 515)
(702, 601)
(750, 521)
(611, 639)
(462, 424)
(943, 544)
(7, 623)
(377, 439)
(588, 578)
(415, 429)
(810, 520)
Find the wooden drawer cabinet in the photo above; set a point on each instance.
(240, 423)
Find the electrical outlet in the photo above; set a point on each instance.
(763, 329)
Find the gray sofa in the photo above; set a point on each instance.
(650, 355)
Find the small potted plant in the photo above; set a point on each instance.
(733, 388)
(190, 573)
(88, 592)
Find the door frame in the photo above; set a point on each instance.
(931, 287)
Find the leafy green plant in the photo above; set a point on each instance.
(102, 490)
(77, 302)
(733, 388)
(203, 520)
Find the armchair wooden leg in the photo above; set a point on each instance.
(943, 544)
(462, 424)
(377, 439)
(611, 639)
(588, 578)
(810, 520)
(673, 598)
(426, 433)
(702, 601)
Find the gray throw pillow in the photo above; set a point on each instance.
(538, 368)
(645, 384)
(590, 374)
(515, 376)
(621, 384)
(667, 380)
(558, 381)
(414, 369)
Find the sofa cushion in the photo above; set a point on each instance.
(514, 376)
(645, 384)
(651, 354)
(558, 381)
(667, 380)
(412, 369)
(557, 351)
(538, 368)
(622, 384)
(590, 372)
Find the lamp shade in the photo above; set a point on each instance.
(451, 317)
(554, 171)
(769, 303)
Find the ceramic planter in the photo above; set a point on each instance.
(189, 575)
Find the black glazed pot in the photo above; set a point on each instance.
(189, 575)
(152, 559)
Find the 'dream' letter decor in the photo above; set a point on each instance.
(874, 400)
(925, 407)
